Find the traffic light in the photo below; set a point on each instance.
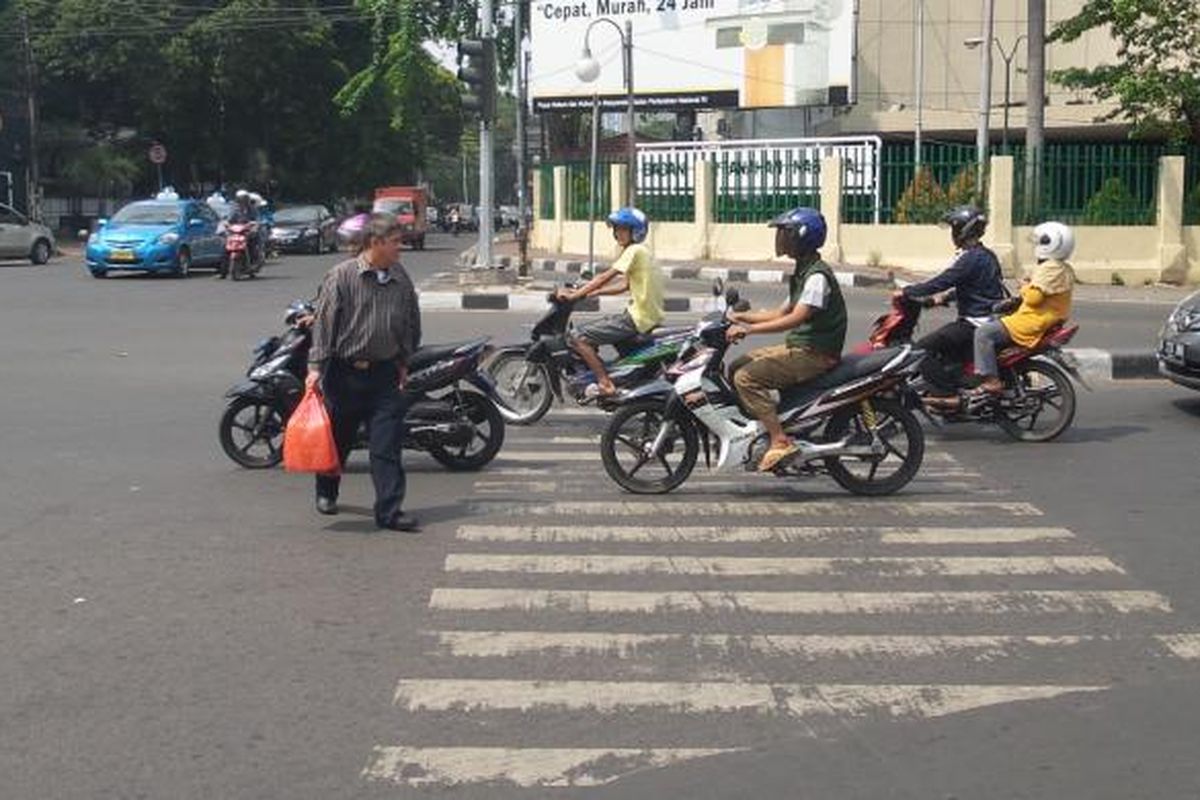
(477, 69)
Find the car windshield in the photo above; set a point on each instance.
(148, 214)
(297, 214)
(391, 205)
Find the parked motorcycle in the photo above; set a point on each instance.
(529, 376)
(849, 423)
(461, 427)
(1038, 401)
(243, 258)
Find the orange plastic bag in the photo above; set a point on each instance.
(308, 444)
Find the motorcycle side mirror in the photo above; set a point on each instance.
(718, 287)
(732, 296)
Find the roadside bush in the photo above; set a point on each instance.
(1114, 204)
(1191, 206)
(964, 189)
(923, 201)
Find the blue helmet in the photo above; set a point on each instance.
(631, 218)
(807, 225)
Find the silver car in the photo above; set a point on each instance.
(1179, 344)
(20, 238)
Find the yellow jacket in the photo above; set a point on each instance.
(1045, 300)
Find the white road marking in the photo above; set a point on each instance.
(1182, 645)
(732, 534)
(761, 567)
(751, 508)
(800, 603)
(520, 767)
(554, 456)
(796, 700)
(567, 474)
(507, 644)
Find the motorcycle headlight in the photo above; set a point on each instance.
(168, 238)
(274, 365)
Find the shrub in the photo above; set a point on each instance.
(923, 202)
(964, 189)
(1114, 204)
(1191, 206)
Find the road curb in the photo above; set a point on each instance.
(432, 300)
(1115, 365)
(684, 272)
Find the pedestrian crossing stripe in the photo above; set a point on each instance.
(802, 701)
(758, 534)
(800, 603)
(804, 647)
(719, 566)
(506, 456)
(750, 508)
(521, 767)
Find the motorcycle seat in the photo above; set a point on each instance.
(1056, 335)
(850, 368)
(438, 352)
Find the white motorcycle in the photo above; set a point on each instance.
(853, 423)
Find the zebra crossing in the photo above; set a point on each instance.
(578, 635)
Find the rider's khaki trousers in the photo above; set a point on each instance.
(775, 368)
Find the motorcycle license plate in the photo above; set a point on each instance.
(122, 255)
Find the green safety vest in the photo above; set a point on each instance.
(824, 331)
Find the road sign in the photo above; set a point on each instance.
(158, 154)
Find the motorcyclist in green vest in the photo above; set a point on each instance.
(814, 318)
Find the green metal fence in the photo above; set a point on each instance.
(757, 186)
(946, 178)
(546, 184)
(1090, 184)
(666, 187)
(1191, 187)
(579, 190)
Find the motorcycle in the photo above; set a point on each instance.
(529, 376)
(243, 256)
(460, 427)
(849, 423)
(1037, 388)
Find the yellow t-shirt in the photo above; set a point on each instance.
(645, 286)
(1040, 308)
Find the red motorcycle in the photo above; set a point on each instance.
(243, 254)
(1038, 401)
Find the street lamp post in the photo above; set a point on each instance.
(587, 69)
(1007, 57)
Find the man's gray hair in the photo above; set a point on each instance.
(378, 226)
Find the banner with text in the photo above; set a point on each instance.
(695, 54)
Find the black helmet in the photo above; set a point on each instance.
(966, 223)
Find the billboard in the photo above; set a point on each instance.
(695, 54)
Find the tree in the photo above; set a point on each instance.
(923, 202)
(1156, 81)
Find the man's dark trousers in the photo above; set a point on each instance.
(953, 343)
(370, 395)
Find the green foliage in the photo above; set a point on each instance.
(963, 189)
(102, 170)
(1191, 206)
(1114, 204)
(923, 201)
(1156, 79)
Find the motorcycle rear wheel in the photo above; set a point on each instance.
(626, 439)
(1044, 385)
(903, 459)
(524, 388)
(488, 425)
(251, 433)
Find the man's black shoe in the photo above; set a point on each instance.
(326, 505)
(403, 522)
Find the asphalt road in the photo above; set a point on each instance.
(1021, 622)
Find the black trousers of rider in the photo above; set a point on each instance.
(953, 343)
(371, 395)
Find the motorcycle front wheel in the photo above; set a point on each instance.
(251, 433)
(627, 441)
(524, 388)
(487, 433)
(902, 438)
(1043, 403)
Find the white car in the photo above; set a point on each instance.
(20, 238)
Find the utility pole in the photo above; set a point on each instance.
(519, 57)
(1035, 131)
(33, 198)
(483, 259)
(919, 78)
(985, 92)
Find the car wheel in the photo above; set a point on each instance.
(40, 253)
(100, 274)
(183, 263)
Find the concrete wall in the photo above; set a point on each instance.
(1167, 251)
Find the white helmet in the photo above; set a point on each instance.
(242, 194)
(1053, 240)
